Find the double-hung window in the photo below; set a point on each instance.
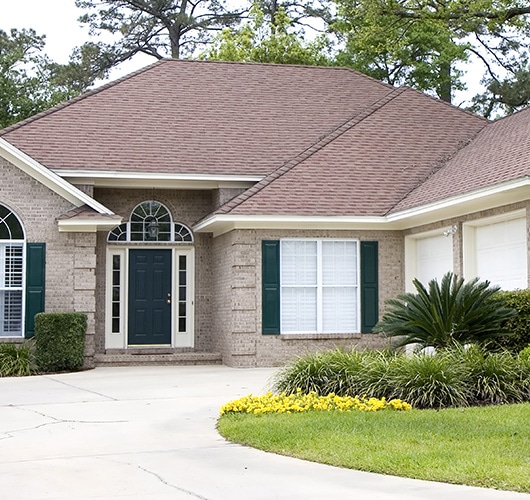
(11, 274)
(319, 283)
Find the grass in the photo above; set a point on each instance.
(479, 446)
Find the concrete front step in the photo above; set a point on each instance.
(156, 357)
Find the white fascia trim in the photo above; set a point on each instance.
(89, 225)
(502, 194)
(48, 178)
(465, 199)
(115, 178)
(219, 224)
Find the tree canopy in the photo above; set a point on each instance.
(159, 28)
(31, 82)
(423, 43)
(426, 44)
(268, 42)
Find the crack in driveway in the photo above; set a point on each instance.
(164, 481)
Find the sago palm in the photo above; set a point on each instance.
(445, 314)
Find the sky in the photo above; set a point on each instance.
(57, 19)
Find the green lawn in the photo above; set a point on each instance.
(487, 446)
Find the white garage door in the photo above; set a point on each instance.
(501, 253)
(434, 257)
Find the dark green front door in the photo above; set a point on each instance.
(149, 297)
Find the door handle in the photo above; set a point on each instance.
(169, 298)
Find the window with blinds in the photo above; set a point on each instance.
(319, 286)
(11, 288)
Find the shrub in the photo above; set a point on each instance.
(429, 381)
(518, 325)
(446, 314)
(60, 341)
(16, 359)
(322, 372)
(523, 360)
(458, 376)
(492, 377)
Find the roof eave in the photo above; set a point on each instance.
(222, 223)
(120, 179)
(488, 198)
(87, 225)
(48, 178)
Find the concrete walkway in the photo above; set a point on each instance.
(149, 433)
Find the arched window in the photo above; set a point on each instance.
(11, 273)
(151, 222)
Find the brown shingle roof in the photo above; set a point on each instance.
(378, 158)
(181, 116)
(330, 141)
(499, 153)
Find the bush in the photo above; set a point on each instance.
(493, 377)
(16, 359)
(429, 381)
(322, 372)
(453, 312)
(60, 341)
(345, 373)
(453, 377)
(518, 325)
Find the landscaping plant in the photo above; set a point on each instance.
(453, 377)
(445, 314)
(300, 402)
(16, 359)
(60, 341)
(518, 325)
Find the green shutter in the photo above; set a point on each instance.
(369, 286)
(35, 281)
(270, 294)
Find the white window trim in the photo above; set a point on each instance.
(21, 243)
(320, 286)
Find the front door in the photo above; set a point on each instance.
(149, 297)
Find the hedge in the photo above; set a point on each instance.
(518, 325)
(60, 341)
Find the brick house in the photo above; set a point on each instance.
(246, 213)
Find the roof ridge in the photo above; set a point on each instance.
(439, 164)
(281, 65)
(308, 152)
(80, 97)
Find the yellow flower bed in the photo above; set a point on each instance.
(296, 403)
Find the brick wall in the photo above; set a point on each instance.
(70, 258)
(237, 297)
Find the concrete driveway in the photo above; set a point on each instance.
(149, 433)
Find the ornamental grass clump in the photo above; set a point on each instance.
(17, 360)
(345, 373)
(429, 381)
(493, 377)
(299, 402)
(459, 376)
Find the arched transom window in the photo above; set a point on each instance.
(11, 273)
(151, 222)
